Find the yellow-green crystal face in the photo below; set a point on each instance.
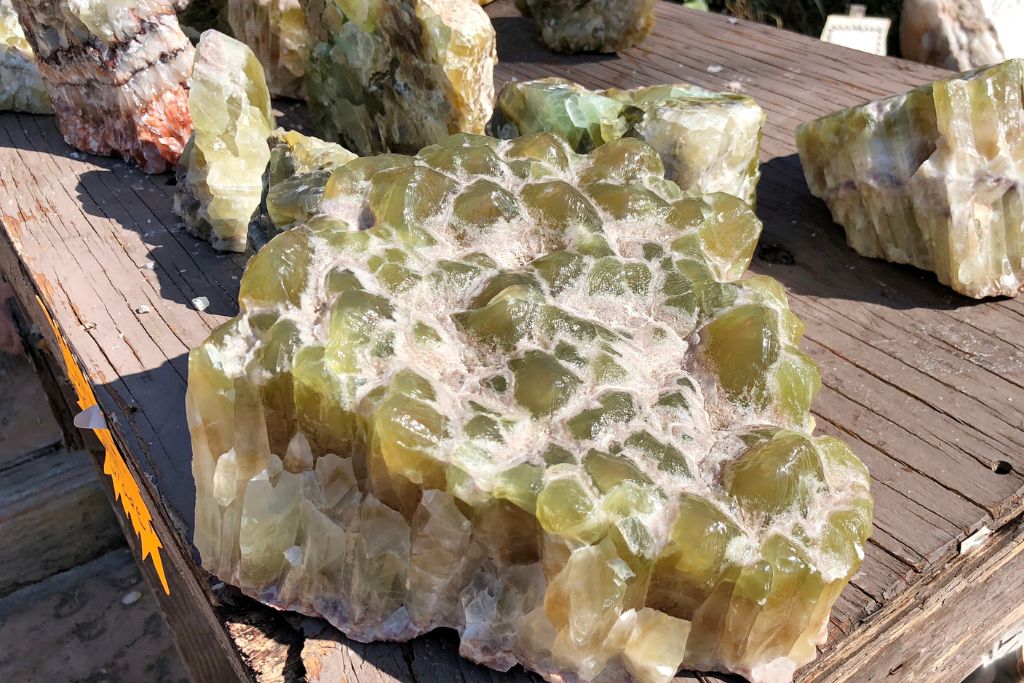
(300, 167)
(709, 142)
(591, 26)
(531, 400)
(221, 176)
(399, 75)
(932, 178)
(21, 86)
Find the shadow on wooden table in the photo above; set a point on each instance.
(806, 251)
(186, 267)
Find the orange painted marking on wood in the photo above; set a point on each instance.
(126, 489)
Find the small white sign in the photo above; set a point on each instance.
(867, 34)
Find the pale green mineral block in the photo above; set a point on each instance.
(529, 395)
(299, 169)
(933, 178)
(399, 75)
(592, 25)
(220, 181)
(709, 142)
(21, 86)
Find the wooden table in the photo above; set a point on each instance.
(925, 385)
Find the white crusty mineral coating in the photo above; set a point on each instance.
(933, 178)
(533, 401)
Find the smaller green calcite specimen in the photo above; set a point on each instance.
(398, 76)
(590, 26)
(220, 181)
(933, 178)
(21, 86)
(709, 142)
(276, 32)
(299, 169)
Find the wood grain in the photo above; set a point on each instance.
(925, 385)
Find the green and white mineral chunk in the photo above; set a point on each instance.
(21, 86)
(398, 76)
(709, 142)
(591, 26)
(528, 394)
(220, 180)
(300, 167)
(933, 178)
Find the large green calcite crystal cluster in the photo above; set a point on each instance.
(21, 86)
(591, 25)
(276, 32)
(220, 181)
(399, 75)
(933, 178)
(117, 73)
(523, 393)
(709, 142)
(299, 169)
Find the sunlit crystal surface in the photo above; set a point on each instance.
(220, 181)
(398, 76)
(276, 32)
(299, 169)
(117, 74)
(933, 178)
(709, 142)
(21, 86)
(591, 26)
(532, 401)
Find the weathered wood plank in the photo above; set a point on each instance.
(924, 384)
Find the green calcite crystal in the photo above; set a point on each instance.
(300, 167)
(399, 75)
(591, 25)
(709, 142)
(276, 31)
(21, 86)
(220, 181)
(933, 178)
(522, 393)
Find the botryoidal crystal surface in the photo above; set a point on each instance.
(117, 74)
(532, 401)
(709, 142)
(299, 169)
(933, 178)
(21, 86)
(276, 31)
(592, 26)
(220, 180)
(398, 76)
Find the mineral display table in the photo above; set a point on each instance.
(925, 385)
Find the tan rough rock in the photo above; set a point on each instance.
(276, 32)
(962, 34)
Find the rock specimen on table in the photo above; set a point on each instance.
(933, 178)
(522, 393)
(592, 25)
(21, 86)
(117, 74)
(276, 31)
(962, 34)
(401, 75)
(300, 167)
(220, 181)
(709, 142)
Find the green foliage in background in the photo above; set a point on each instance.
(808, 16)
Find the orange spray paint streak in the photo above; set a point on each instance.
(126, 489)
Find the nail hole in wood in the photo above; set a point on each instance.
(1002, 467)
